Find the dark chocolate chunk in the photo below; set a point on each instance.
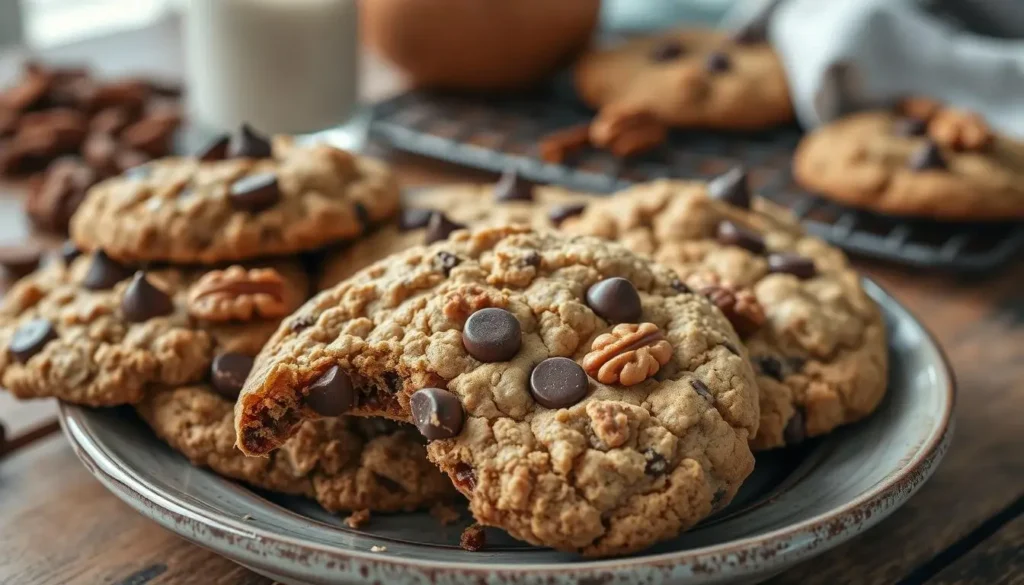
(558, 382)
(512, 187)
(799, 266)
(142, 301)
(769, 366)
(332, 393)
(439, 227)
(30, 338)
(733, 187)
(216, 149)
(249, 144)
(492, 335)
(656, 463)
(228, 372)
(438, 414)
(615, 300)
(733, 234)
(255, 193)
(560, 213)
(104, 272)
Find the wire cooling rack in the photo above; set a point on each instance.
(498, 133)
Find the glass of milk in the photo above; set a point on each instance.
(283, 66)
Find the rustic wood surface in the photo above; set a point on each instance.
(965, 526)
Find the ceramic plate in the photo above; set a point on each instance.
(797, 504)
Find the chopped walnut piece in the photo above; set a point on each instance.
(628, 355)
(238, 294)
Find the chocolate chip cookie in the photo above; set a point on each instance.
(688, 79)
(817, 341)
(921, 161)
(235, 202)
(579, 395)
(432, 214)
(344, 463)
(89, 330)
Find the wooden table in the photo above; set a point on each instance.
(966, 526)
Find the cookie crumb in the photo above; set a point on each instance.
(376, 548)
(357, 519)
(473, 538)
(445, 513)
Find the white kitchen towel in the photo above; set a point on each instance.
(843, 55)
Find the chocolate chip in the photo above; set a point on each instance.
(216, 149)
(437, 413)
(413, 219)
(668, 50)
(393, 381)
(717, 62)
(702, 389)
(615, 300)
(465, 477)
(910, 127)
(731, 187)
(228, 372)
(439, 227)
(249, 144)
(533, 258)
(799, 266)
(363, 217)
(558, 382)
(255, 193)
(104, 272)
(560, 213)
(68, 252)
(30, 338)
(733, 234)
(18, 261)
(142, 301)
(492, 335)
(769, 366)
(448, 261)
(331, 394)
(927, 157)
(512, 187)
(656, 463)
(680, 286)
(796, 429)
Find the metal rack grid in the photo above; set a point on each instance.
(498, 133)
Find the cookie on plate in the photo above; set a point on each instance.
(511, 201)
(576, 393)
(235, 202)
(817, 341)
(688, 79)
(344, 463)
(920, 160)
(92, 331)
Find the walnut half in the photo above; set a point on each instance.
(628, 355)
(238, 294)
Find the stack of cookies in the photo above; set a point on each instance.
(592, 375)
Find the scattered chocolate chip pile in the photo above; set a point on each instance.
(69, 130)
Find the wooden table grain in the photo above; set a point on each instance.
(966, 526)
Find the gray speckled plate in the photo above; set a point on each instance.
(798, 503)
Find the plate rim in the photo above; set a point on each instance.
(788, 544)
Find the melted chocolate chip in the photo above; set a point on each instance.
(492, 335)
(228, 372)
(448, 261)
(249, 143)
(796, 429)
(104, 272)
(30, 338)
(438, 414)
(142, 301)
(799, 266)
(702, 389)
(332, 393)
(668, 50)
(733, 234)
(216, 149)
(927, 157)
(560, 213)
(769, 366)
(616, 300)
(512, 187)
(439, 227)
(255, 193)
(558, 382)
(732, 187)
(413, 218)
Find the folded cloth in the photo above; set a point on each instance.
(844, 55)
